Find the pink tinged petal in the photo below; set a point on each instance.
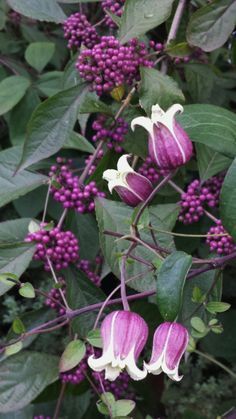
(128, 196)
(170, 148)
(138, 189)
(160, 340)
(176, 346)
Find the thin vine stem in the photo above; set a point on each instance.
(215, 361)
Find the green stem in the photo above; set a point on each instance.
(214, 361)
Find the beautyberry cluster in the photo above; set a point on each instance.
(15, 17)
(198, 195)
(151, 171)
(85, 266)
(78, 31)
(42, 417)
(115, 7)
(222, 243)
(119, 388)
(71, 193)
(156, 46)
(109, 64)
(54, 299)
(95, 163)
(60, 247)
(113, 132)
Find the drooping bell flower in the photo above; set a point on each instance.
(124, 335)
(132, 187)
(169, 344)
(169, 145)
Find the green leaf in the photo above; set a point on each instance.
(123, 407)
(107, 399)
(217, 307)
(20, 116)
(140, 16)
(80, 293)
(116, 216)
(210, 162)
(198, 324)
(38, 54)
(170, 284)
(85, 228)
(51, 124)
(18, 326)
(14, 260)
(158, 88)
(23, 377)
(27, 290)
(201, 81)
(13, 186)
(78, 142)
(94, 338)
(181, 49)
(44, 10)
(13, 349)
(94, 104)
(208, 124)
(228, 201)
(13, 231)
(12, 90)
(211, 25)
(50, 83)
(72, 355)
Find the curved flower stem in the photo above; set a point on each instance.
(56, 281)
(215, 361)
(122, 283)
(59, 401)
(126, 102)
(148, 200)
(105, 303)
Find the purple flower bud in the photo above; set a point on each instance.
(124, 335)
(169, 145)
(169, 344)
(132, 187)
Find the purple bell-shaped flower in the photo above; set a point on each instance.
(169, 344)
(124, 335)
(132, 187)
(169, 145)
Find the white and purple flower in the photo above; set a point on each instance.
(124, 335)
(169, 344)
(169, 145)
(132, 187)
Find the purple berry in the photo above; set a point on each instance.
(55, 247)
(86, 267)
(72, 194)
(109, 64)
(115, 7)
(219, 240)
(78, 31)
(113, 132)
(151, 171)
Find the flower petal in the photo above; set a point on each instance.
(132, 369)
(111, 373)
(144, 122)
(123, 165)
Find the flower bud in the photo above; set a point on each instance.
(132, 187)
(169, 344)
(124, 335)
(169, 145)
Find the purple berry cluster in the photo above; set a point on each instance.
(113, 132)
(78, 31)
(60, 247)
(42, 417)
(156, 46)
(54, 296)
(109, 64)
(85, 266)
(198, 195)
(95, 163)
(71, 193)
(77, 375)
(115, 7)
(15, 17)
(222, 243)
(151, 171)
(119, 388)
